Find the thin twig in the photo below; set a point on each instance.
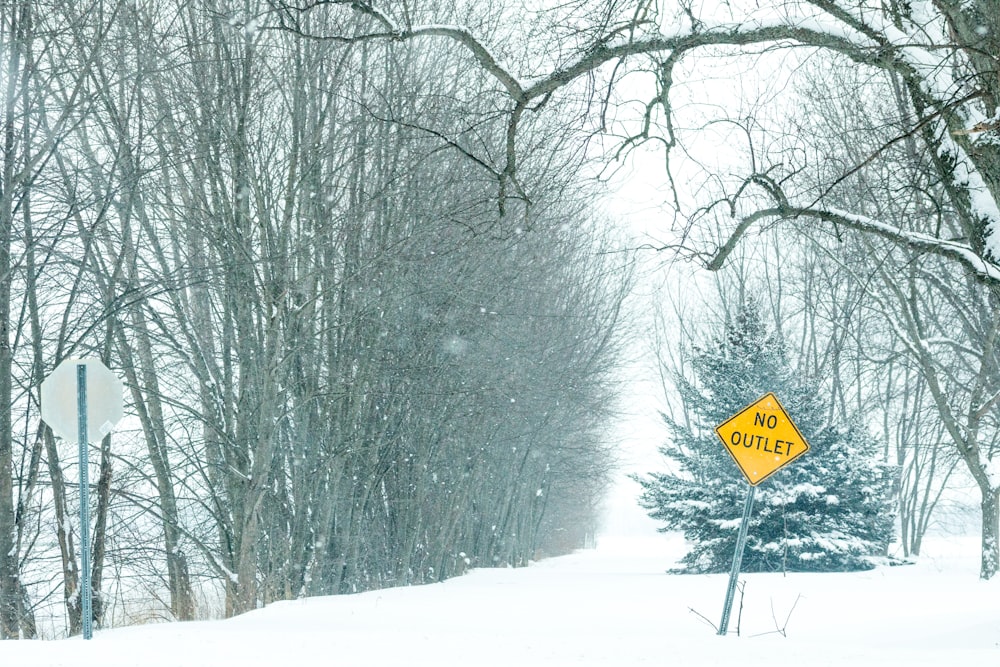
(704, 618)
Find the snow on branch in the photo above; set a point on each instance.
(979, 267)
(961, 252)
(982, 204)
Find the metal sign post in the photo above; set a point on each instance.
(82, 399)
(734, 573)
(762, 439)
(86, 599)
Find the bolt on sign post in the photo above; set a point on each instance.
(762, 439)
(82, 401)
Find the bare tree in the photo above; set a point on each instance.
(33, 81)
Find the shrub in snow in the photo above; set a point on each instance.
(828, 511)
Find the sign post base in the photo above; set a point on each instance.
(734, 573)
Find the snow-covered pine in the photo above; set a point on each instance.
(830, 510)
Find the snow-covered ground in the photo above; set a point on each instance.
(612, 606)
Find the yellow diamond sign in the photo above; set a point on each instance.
(762, 439)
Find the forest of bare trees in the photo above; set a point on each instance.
(344, 257)
(346, 367)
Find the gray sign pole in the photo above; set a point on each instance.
(741, 541)
(86, 613)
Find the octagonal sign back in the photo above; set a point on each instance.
(762, 439)
(104, 399)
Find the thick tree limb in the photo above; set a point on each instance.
(981, 269)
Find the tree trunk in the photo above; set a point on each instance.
(140, 372)
(990, 562)
(70, 569)
(9, 588)
(100, 532)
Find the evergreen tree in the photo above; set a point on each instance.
(827, 511)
